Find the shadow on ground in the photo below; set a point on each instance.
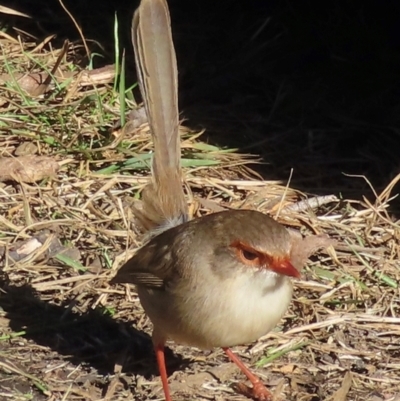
(89, 339)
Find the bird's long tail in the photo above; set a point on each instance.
(164, 202)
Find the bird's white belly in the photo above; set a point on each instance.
(237, 311)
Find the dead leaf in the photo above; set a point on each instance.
(29, 247)
(29, 168)
(341, 394)
(303, 248)
(310, 203)
(35, 84)
(26, 148)
(287, 369)
(27, 82)
(53, 247)
(38, 83)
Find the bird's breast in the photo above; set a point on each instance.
(220, 313)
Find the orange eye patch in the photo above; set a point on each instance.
(248, 255)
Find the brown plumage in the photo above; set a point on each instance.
(217, 281)
(163, 201)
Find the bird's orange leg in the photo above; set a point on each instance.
(258, 391)
(159, 350)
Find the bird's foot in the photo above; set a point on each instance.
(257, 392)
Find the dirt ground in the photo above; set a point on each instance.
(300, 128)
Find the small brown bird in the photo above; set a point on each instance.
(217, 281)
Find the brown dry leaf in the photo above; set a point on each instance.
(310, 203)
(29, 168)
(26, 148)
(98, 76)
(27, 82)
(19, 250)
(29, 247)
(341, 394)
(287, 369)
(303, 248)
(37, 84)
(30, 82)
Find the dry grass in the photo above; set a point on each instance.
(67, 335)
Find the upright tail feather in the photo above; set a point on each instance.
(164, 203)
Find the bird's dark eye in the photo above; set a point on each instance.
(246, 254)
(250, 256)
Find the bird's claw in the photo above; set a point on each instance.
(257, 392)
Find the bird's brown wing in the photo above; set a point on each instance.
(157, 262)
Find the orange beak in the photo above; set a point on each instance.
(284, 266)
